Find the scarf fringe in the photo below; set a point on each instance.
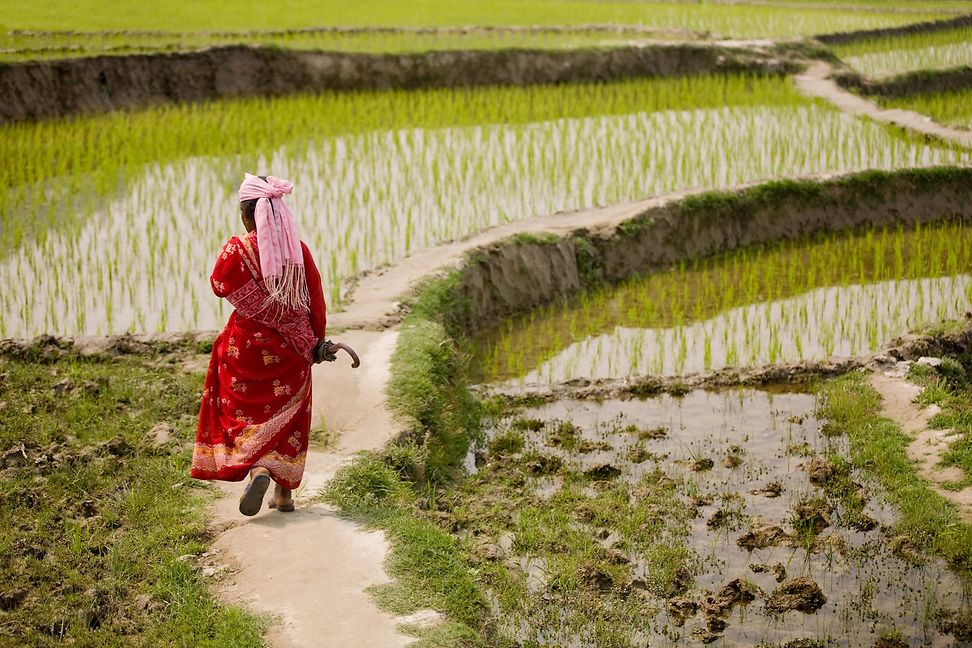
(290, 288)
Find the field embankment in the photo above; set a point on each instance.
(521, 273)
(909, 84)
(42, 89)
(842, 38)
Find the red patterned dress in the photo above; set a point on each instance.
(256, 403)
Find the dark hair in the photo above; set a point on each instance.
(249, 206)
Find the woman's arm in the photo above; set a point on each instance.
(318, 308)
(229, 273)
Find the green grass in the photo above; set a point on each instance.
(879, 447)
(949, 386)
(758, 20)
(96, 516)
(951, 108)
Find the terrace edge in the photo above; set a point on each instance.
(523, 272)
(81, 86)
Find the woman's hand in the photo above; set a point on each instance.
(326, 351)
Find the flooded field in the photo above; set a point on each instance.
(138, 259)
(836, 296)
(733, 518)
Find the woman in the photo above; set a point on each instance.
(256, 404)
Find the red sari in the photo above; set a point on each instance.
(256, 403)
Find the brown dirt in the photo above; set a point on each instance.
(55, 88)
(816, 82)
(928, 445)
(911, 83)
(801, 594)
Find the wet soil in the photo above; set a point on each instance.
(787, 541)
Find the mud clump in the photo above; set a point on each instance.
(772, 489)
(811, 516)
(891, 640)
(681, 608)
(543, 464)
(802, 594)
(602, 473)
(702, 465)
(733, 457)
(778, 570)
(762, 537)
(820, 470)
(905, 548)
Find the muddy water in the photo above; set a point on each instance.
(758, 444)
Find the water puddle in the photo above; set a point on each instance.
(833, 297)
(730, 517)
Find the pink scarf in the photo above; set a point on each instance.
(281, 256)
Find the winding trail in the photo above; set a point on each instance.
(928, 445)
(309, 569)
(816, 82)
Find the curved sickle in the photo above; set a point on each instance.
(355, 361)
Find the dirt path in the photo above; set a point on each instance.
(928, 445)
(816, 82)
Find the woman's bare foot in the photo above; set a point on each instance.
(282, 499)
(252, 498)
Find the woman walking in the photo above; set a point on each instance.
(256, 404)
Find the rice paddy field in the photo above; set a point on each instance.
(952, 108)
(839, 295)
(882, 57)
(788, 516)
(730, 19)
(127, 208)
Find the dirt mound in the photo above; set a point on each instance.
(801, 594)
(53, 88)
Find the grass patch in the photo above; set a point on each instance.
(101, 525)
(879, 447)
(949, 386)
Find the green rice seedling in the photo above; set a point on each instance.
(457, 161)
(917, 51)
(714, 18)
(952, 108)
(813, 299)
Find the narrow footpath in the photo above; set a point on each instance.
(309, 569)
(816, 82)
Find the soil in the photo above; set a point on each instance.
(56, 88)
(928, 445)
(816, 82)
(911, 83)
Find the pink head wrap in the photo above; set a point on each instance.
(281, 256)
